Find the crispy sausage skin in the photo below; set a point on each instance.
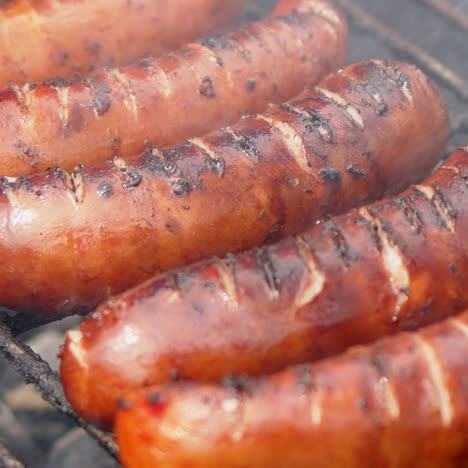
(165, 100)
(401, 402)
(43, 38)
(398, 264)
(68, 242)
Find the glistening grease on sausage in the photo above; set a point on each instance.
(395, 265)
(401, 402)
(165, 100)
(43, 38)
(69, 241)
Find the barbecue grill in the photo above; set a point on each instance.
(432, 34)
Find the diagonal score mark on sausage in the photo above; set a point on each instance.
(441, 205)
(214, 57)
(395, 74)
(77, 349)
(315, 280)
(392, 259)
(351, 112)
(463, 327)
(386, 395)
(212, 154)
(320, 9)
(437, 378)
(126, 87)
(159, 75)
(244, 81)
(226, 274)
(292, 139)
(63, 109)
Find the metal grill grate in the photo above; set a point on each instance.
(36, 371)
(7, 460)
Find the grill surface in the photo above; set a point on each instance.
(433, 34)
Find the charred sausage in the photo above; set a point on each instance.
(69, 241)
(401, 402)
(44, 38)
(165, 100)
(395, 265)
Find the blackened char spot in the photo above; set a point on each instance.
(238, 384)
(26, 149)
(313, 121)
(268, 268)
(448, 209)
(174, 374)
(251, 85)
(341, 246)
(57, 82)
(93, 48)
(426, 307)
(382, 108)
(64, 55)
(356, 172)
(181, 188)
(105, 190)
(330, 174)
(155, 398)
(124, 404)
(304, 378)
(217, 166)
(100, 94)
(320, 125)
(410, 213)
(275, 234)
(206, 88)
(217, 43)
(132, 178)
(244, 143)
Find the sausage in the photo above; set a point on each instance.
(165, 100)
(401, 402)
(43, 38)
(70, 241)
(398, 264)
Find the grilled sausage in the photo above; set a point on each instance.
(68, 242)
(395, 265)
(401, 402)
(165, 100)
(43, 38)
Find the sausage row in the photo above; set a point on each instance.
(401, 402)
(395, 265)
(43, 38)
(164, 100)
(69, 241)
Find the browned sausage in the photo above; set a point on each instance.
(165, 100)
(68, 242)
(395, 265)
(45, 38)
(401, 402)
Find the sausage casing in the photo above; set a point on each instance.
(164, 100)
(395, 265)
(401, 402)
(42, 38)
(70, 241)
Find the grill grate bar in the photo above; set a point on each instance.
(403, 46)
(8, 460)
(19, 323)
(449, 11)
(36, 371)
